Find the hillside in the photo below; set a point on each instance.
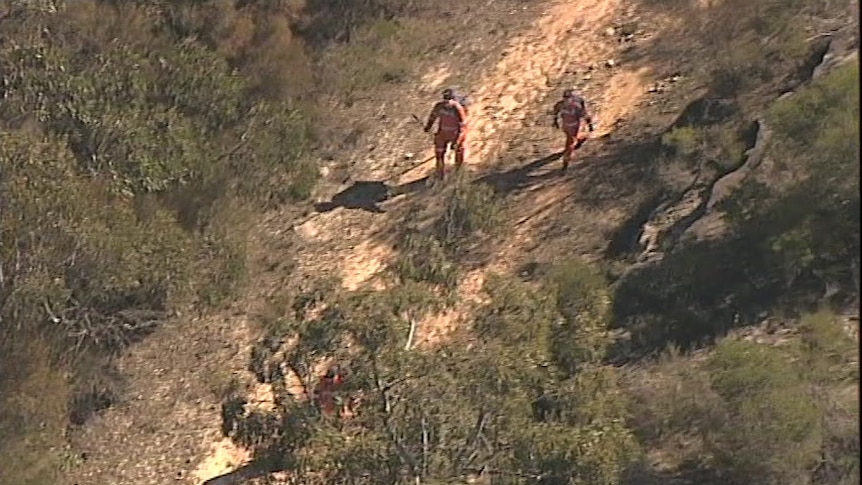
(206, 203)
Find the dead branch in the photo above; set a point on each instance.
(474, 436)
(410, 334)
(387, 418)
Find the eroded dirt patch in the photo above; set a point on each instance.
(223, 457)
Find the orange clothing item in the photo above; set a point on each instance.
(574, 140)
(572, 111)
(450, 113)
(443, 139)
(324, 395)
(452, 130)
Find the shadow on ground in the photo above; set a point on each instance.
(367, 195)
(520, 178)
(620, 169)
(693, 296)
(255, 469)
(598, 170)
(686, 473)
(699, 292)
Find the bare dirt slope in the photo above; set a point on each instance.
(511, 147)
(176, 374)
(568, 45)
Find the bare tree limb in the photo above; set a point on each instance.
(410, 334)
(387, 419)
(471, 441)
(424, 445)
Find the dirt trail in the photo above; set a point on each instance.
(553, 46)
(532, 61)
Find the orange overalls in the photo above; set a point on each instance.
(572, 111)
(451, 130)
(324, 395)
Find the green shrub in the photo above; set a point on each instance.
(33, 410)
(517, 316)
(671, 401)
(773, 431)
(441, 413)
(684, 140)
(470, 210)
(827, 352)
(91, 264)
(821, 119)
(584, 301)
(754, 50)
(422, 258)
(810, 224)
(381, 54)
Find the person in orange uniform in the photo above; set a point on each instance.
(326, 388)
(452, 129)
(571, 110)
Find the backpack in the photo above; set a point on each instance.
(581, 102)
(464, 101)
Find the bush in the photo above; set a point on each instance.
(33, 410)
(754, 50)
(422, 258)
(128, 160)
(518, 316)
(828, 353)
(672, 405)
(99, 274)
(773, 431)
(810, 222)
(442, 414)
(584, 301)
(470, 210)
(755, 413)
(830, 359)
(685, 140)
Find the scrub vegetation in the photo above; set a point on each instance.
(140, 141)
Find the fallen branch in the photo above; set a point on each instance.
(410, 334)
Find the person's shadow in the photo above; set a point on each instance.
(520, 178)
(367, 195)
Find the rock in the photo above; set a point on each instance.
(610, 31)
(629, 28)
(324, 171)
(610, 63)
(587, 77)
(409, 156)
